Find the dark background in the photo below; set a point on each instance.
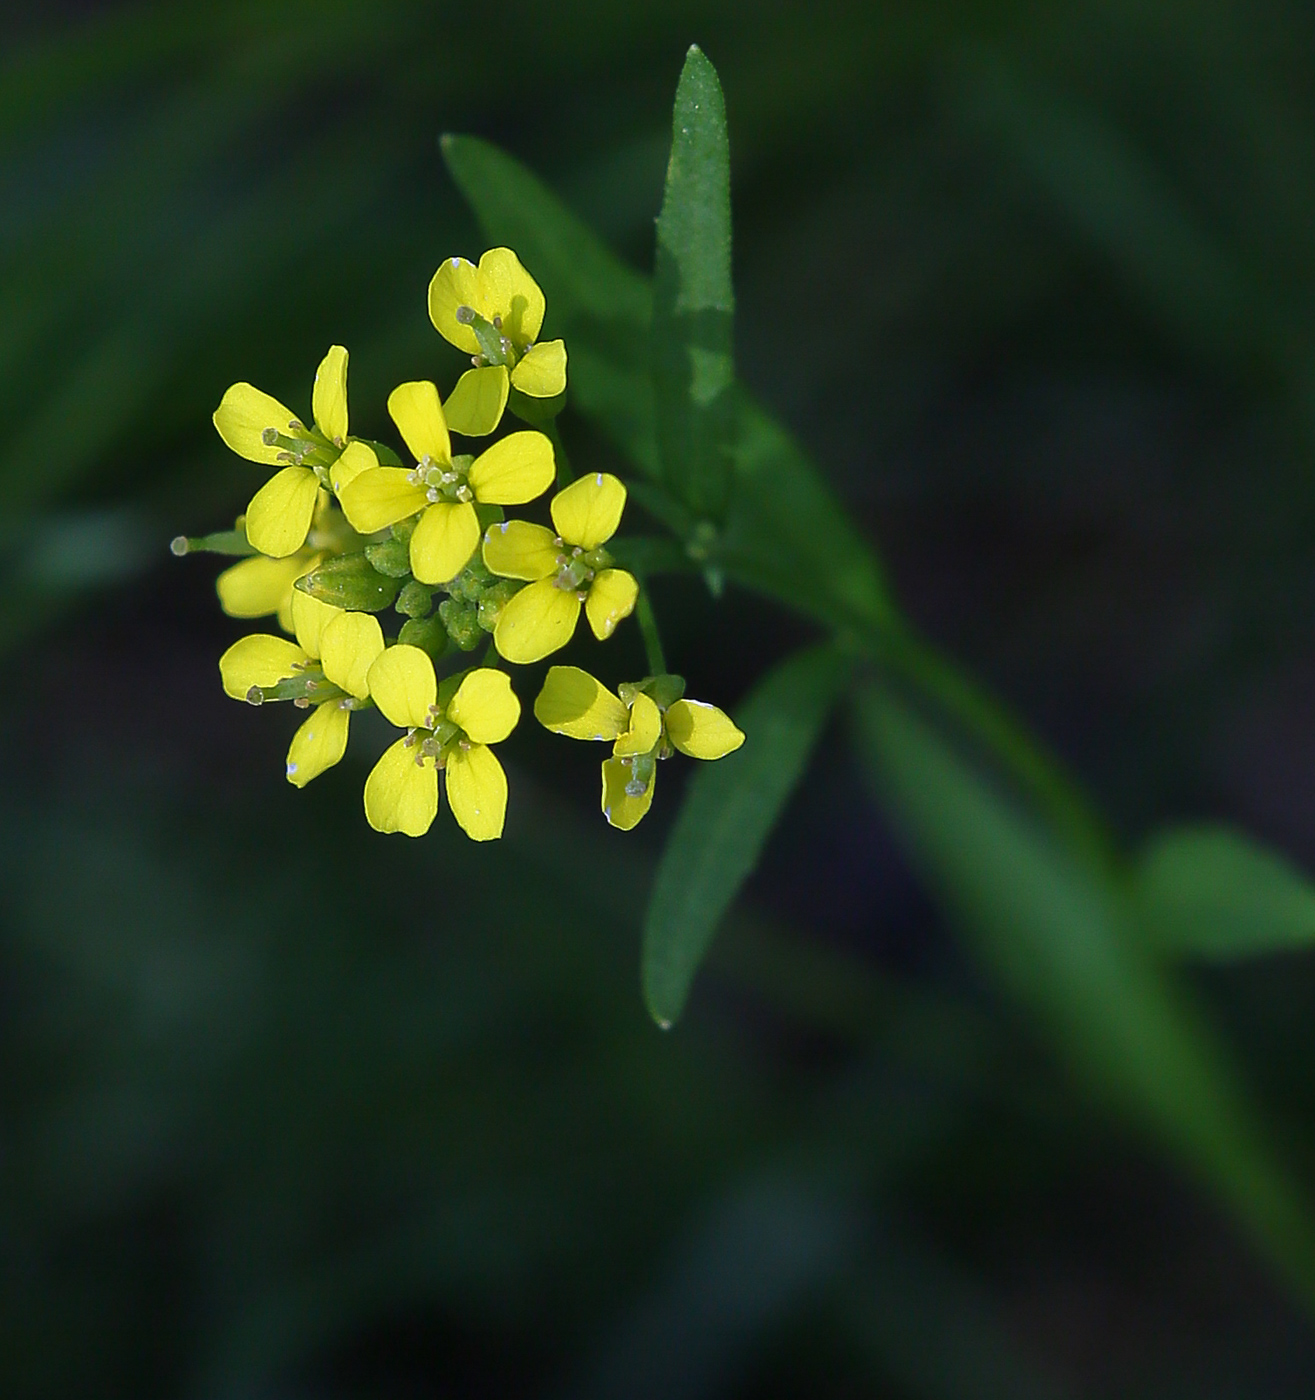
(294, 1110)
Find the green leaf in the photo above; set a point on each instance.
(693, 302)
(599, 305)
(1060, 939)
(1211, 892)
(730, 809)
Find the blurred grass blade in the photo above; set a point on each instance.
(730, 809)
(693, 301)
(1214, 893)
(1058, 938)
(601, 306)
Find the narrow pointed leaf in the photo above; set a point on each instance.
(693, 301)
(729, 812)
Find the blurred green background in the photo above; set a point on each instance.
(293, 1110)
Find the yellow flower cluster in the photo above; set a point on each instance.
(345, 526)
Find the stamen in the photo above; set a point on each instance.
(497, 323)
(302, 703)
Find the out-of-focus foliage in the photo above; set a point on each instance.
(287, 1112)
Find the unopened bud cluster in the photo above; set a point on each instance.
(347, 533)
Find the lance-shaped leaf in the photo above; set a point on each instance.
(693, 303)
(729, 811)
(1210, 892)
(1060, 939)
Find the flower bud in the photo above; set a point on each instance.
(391, 558)
(462, 623)
(414, 601)
(350, 581)
(427, 633)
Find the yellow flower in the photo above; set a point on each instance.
(514, 470)
(325, 667)
(494, 312)
(448, 727)
(261, 429)
(646, 725)
(564, 570)
(259, 586)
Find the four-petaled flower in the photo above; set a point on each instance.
(261, 429)
(494, 312)
(326, 667)
(448, 727)
(645, 722)
(565, 570)
(514, 470)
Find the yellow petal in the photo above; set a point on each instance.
(512, 294)
(456, 283)
(381, 497)
(612, 597)
(514, 470)
(572, 702)
(415, 408)
(444, 540)
(351, 644)
(477, 792)
(279, 516)
(517, 549)
(356, 459)
(401, 682)
(589, 510)
(476, 404)
(542, 373)
(702, 731)
(258, 586)
(621, 808)
(319, 743)
(329, 397)
(401, 794)
(243, 414)
(538, 621)
(485, 706)
(258, 660)
(309, 619)
(645, 728)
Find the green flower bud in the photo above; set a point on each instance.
(415, 600)
(391, 557)
(350, 581)
(404, 529)
(427, 633)
(494, 599)
(462, 623)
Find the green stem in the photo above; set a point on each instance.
(987, 720)
(648, 629)
(564, 473)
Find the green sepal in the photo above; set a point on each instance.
(387, 457)
(462, 622)
(427, 633)
(404, 529)
(448, 687)
(415, 600)
(536, 412)
(489, 515)
(350, 582)
(390, 557)
(663, 690)
(494, 599)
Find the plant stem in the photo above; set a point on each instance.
(564, 473)
(648, 629)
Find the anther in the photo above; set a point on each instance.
(497, 323)
(464, 493)
(302, 702)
